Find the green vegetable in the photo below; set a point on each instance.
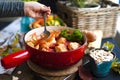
(108, 45)
(64, 33)
(60, 21)
(116, 65)
(75, 36)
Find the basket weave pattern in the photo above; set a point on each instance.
(87, 19)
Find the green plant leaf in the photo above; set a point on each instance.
(116, 65)
(13, 47)
(79, 3)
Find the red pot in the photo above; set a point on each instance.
(54, 60)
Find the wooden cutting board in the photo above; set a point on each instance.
(49, 72)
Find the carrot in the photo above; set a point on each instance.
(38, 21)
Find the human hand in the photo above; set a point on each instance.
(35, 9)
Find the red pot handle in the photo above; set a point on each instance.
(15, 59)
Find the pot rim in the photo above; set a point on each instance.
(84, 44)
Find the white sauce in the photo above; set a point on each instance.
(101, 55)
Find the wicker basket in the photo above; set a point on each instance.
(99, 19)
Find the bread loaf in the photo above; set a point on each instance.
(97, 42)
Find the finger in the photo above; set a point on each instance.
(45, 9)
(31, 14)
(48, 11)
(38, 15)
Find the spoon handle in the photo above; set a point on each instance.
(45, 21)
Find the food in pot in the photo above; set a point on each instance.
(62, 41)
(101, 55)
